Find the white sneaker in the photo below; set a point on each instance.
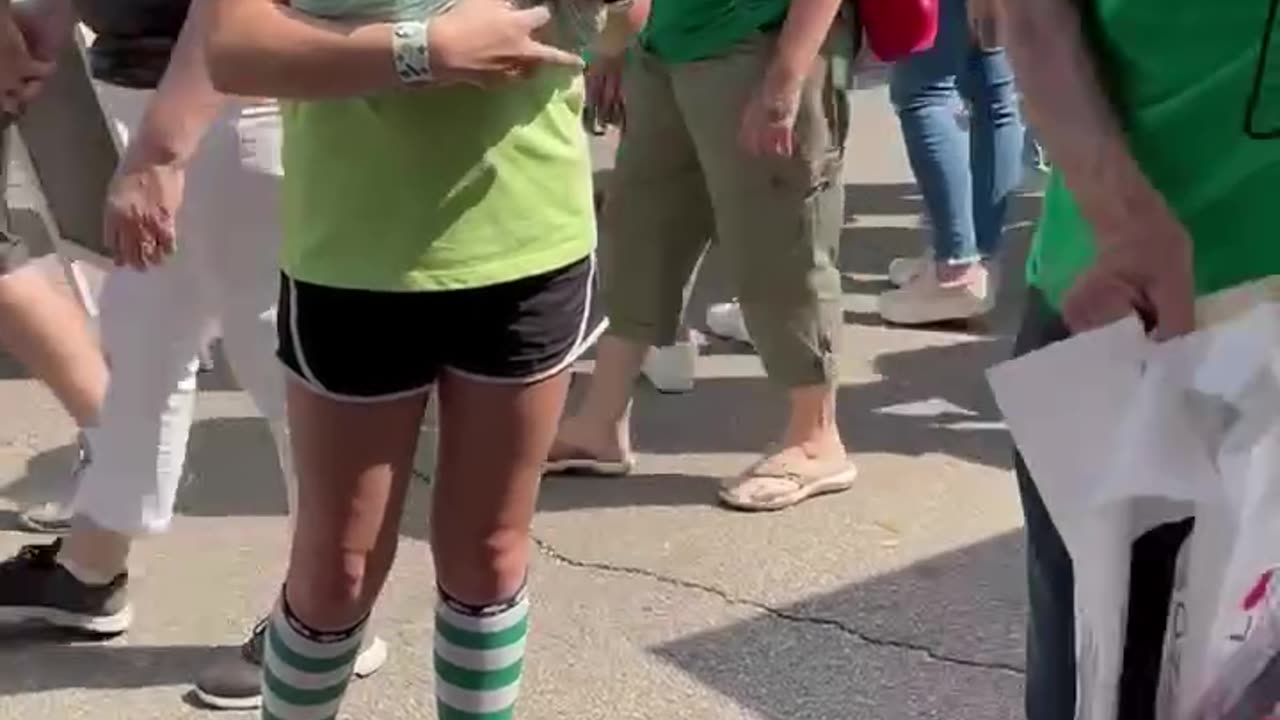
(924, 301)
(671, 369)
(903, 270)
(725, 320)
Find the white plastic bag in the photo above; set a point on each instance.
(1122, 435)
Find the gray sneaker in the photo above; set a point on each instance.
(54, 518)
(51, 518)
(235, 683)
(35, 588)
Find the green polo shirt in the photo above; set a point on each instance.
(690, 30)
(1182, 74)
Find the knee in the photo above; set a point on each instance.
(335, 589)
(484, 570)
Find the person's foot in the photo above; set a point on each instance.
(580, 449)
(789, 476)
(927, 300)
(671, 368)
(235, 682)
(726, 320)
(904, 270)
(36, 588)
(54, 518)
(51, 518)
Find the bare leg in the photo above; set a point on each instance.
(601, 428)
(493, 440)
(49, 334)
(811, 425)
(353, 461)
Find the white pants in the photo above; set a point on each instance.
(224, 275)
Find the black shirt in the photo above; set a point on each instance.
(134, 38)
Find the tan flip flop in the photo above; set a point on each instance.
(779, 481)
(569, 460)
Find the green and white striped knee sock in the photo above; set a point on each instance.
(479, 658)
(305, 672)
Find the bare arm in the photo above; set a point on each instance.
(1144, 260)
(183, 106)
(263, 48)
(803, 33)
(1071, 112)
(620, 28)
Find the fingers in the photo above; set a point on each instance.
(535, 17)
(1098, 299)
(613, 95)
(541, 54)
(768, 140)
(138, 241)
(16, 98)
(1175, 310)
(121, 235)
(162, 234)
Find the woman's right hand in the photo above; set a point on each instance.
(483, 42)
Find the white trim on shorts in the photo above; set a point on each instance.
(587, 336)
(309, 379)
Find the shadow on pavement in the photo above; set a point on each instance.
(231, 472)
(940, 639)
(49, 477)
(743, 415)
(569, 492)
(231, 468)
(37, 661)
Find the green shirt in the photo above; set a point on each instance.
(437, 189)
(690, 30)
(1181, 73)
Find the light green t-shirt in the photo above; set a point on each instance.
(691, 30)
(1182, 73)
(437, 189)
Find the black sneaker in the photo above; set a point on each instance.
(35, 588)
(235, 683)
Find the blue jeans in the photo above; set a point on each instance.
(966, 178)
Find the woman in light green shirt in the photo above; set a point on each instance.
(439, 231)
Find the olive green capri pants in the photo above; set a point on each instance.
(682, 177)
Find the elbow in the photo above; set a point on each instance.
(638, 16)
(228, 43)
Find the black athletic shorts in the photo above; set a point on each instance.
(364, 345)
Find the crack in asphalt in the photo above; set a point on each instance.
(933, 654)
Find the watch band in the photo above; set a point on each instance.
(409, 48)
